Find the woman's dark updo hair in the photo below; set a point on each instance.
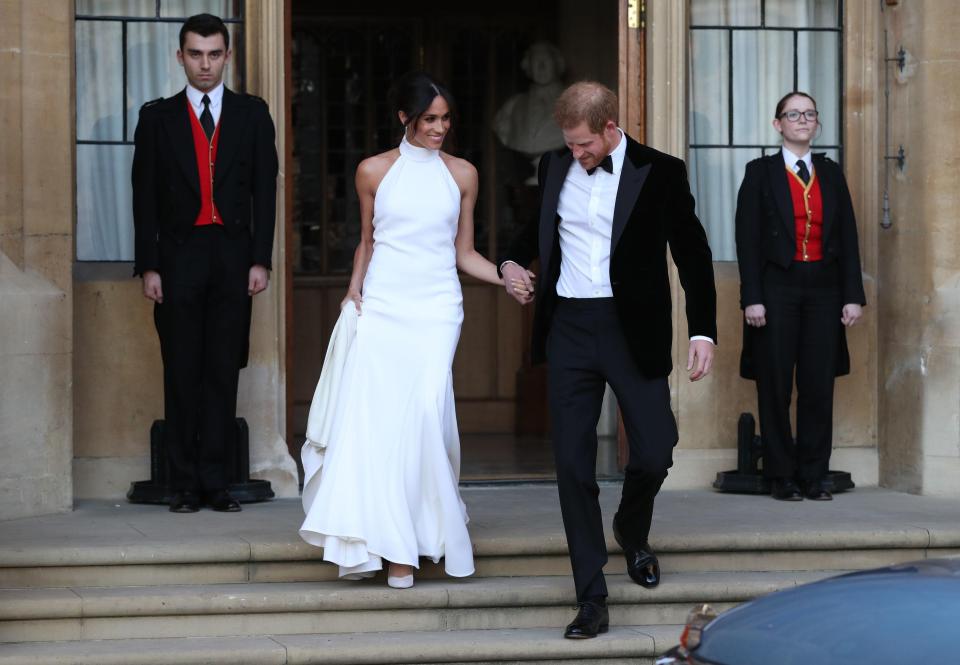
(414, 93)
(786, 97)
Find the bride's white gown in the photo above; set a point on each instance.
(385, 484)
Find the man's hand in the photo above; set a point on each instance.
(152, 287)
(518, 282)
(851, 314)
(258, 280)
(755, 315)
(700, 358)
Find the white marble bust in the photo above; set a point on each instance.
(525, 122)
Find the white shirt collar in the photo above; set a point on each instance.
(791, 160)
(216, 100)
(619, 153)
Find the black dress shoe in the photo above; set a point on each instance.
(592, 618)
(642, 564)
(785, 489)
(184, 502)
(222, 502)
(815, 492)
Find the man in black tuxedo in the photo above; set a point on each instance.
(204, 202)
(609, 207)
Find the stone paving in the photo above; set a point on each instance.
(526, 516)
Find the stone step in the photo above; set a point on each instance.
(343, 607)
(160, 564)
(516, 531)
(633, 645)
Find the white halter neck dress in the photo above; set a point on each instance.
(384, 482)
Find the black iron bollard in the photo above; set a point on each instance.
(157, 489)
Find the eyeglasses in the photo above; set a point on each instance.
(793, 116)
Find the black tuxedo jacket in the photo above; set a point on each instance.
(653, 208)
(766, 234)
(166, 183)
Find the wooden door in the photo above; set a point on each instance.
(342, 63)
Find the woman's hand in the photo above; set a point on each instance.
(851, 314)
(755, 315)
(355, 298)
(518, 282)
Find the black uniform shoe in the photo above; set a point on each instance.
(184, 502)
(785, 489)
(222, 502)
(592, 618)
(815, 492)
(642, 564)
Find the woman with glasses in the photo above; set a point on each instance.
(800, 286)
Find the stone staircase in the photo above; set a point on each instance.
(222, 589)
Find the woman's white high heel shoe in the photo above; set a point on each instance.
(400, 581)
(404, 582)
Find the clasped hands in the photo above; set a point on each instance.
(519, 282)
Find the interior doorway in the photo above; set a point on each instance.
(344, 59)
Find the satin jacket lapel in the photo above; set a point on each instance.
(632, 177)
(776, 171)
(232, 119)
(177, 125)
(556, 175)
(828, 193)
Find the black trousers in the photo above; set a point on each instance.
(203, 324)
(586, 349)
(802, 333)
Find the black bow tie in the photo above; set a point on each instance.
(606, 164)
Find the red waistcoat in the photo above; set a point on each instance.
(808, 217)
(206, 152)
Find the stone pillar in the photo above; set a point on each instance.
(919, 342)
(36, 247)
(263, 396)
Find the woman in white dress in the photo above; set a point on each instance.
(382, 457)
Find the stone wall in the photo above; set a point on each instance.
(36, 246)
(919, 345)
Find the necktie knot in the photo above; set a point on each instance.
(802, 171)
(606, 164)
(205, 100)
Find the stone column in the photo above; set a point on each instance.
(263, 395)
(919, 275)
(36, 247)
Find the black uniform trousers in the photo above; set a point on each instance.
(586, 349)
(203, 324)
(803, 311)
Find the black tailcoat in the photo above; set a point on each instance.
(766, 234)
(166, 184)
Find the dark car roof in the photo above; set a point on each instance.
(900, 615)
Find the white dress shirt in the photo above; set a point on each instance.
(216, 101)
(791, 160)
(586, 225)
